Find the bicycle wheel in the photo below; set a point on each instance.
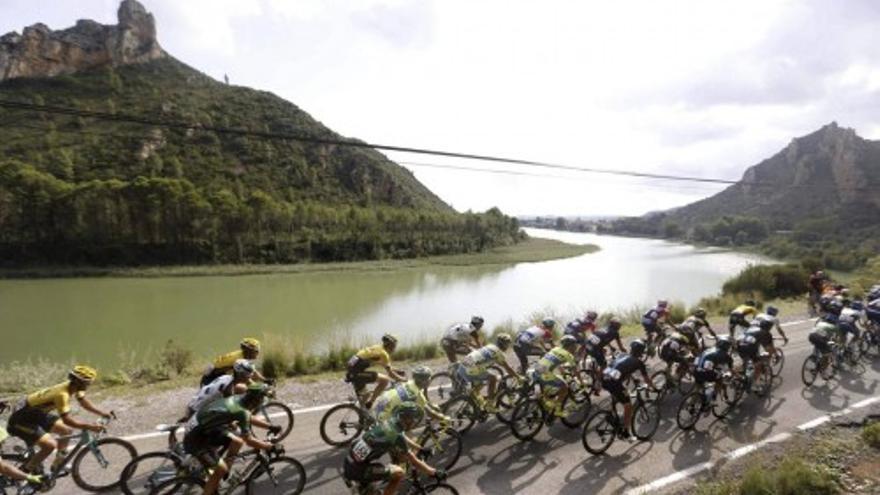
(282, 476)
(463, 411)
(99, 468)
(645, 420)
(182, 485)
(506, 400)
(777, 361)
(145, 472)
(686, 383)
(341, 424)
(689, 410)
(440, 489)
(527, 420)
(599, 432)
(440, 449)
(578, 406)
(440, 389)
(275, 413)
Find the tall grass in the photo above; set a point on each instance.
(793, 476)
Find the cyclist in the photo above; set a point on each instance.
(766, 322)
(579, 327)
(13, 472)
(748, 346)
(847, 322)
(709, 365)
(677, 348)
(872, 310)
(213, 428)
(692, 327)
(412, 390)
(474, 368)
(618, 373)
(533, 341)
(821, 337)
(358, 373)
(47, 412)
(462, 338)
(597, 342)
(224, 386)
(652, 321)
(738, 316)
(544, 372)
(249, 348)
(362, 465)
(815, 286)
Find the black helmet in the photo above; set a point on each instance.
(700, 313)
(723, 343)
(389, 340)
(591, 315)
(477, 322)
(772, 310)
(751, 302)
(502, 340)
(568, 341)
(548, 323)
(637, 347)
(615, 322)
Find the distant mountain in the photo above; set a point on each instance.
(831, 172)
(79, 190)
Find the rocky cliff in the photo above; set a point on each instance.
(823, 173)
(42, 52)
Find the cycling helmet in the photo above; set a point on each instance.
(548, 323)
(662, 303)
(568, 341)
(422, 375)
(477, 322)
(615, 323)
(772, 310)
(83, 373)
(845, 302)
(723, 343)
(503, 341)
(389, 340)
(700, 313)
(637, 348)
(250, 344)
(591, 315)
(408, 411)
(243, 367)
(751, 302)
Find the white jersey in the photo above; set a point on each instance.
(209, 392)
(532, 335)
(460, 332)
(849, 315)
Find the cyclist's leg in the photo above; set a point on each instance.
(382, 382)
(522, 355)
(34, 427)
(449, 349)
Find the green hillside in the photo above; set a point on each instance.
(75, 190)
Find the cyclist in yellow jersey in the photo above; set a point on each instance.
(738, 316)
(358, 373)
(47, 411)
(545, 372)
(474, 368)
(13, 472)
(410, 391)
(222, 365)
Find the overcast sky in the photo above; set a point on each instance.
(697, 87)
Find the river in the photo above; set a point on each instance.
(108, 320)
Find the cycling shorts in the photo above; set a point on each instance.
(705, 376)
(206, 446)
(616, 389)
(598, 355)
(367, 472)
(821, 342)
(31, 423)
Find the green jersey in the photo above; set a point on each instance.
(386, 437)
(390, 399)
(222, 413)
(553, 359)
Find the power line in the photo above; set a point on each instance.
(171, 124)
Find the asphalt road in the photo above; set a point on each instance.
(494, 462)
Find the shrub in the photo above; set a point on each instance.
(871, 435)
(770, 281)
(792, 477)
(175, 357)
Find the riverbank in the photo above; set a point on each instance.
(531, 250)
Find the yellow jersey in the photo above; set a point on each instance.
(375, 354)
(57, 398)
(745, 310)
(226, 361)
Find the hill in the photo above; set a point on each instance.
(75, 190)
(819, 197)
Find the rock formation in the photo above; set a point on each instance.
(41, 52)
